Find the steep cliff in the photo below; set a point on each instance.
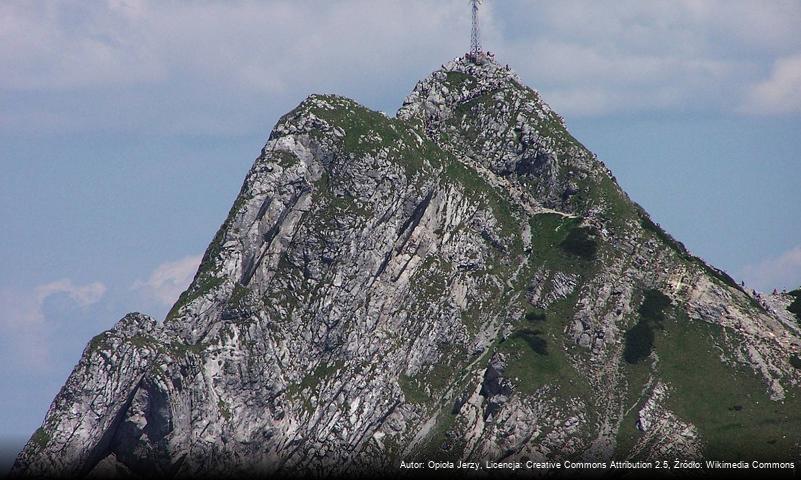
(462, 281)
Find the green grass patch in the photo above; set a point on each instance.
(729, 404)
(549, 244)
(537, 357)
(413, 391)
(534, 340)
(40, 438)
(98, 341)
(459, 80)
(617, 206)
(368, 131)
(181, 349)
(146, 341)
(635, 378)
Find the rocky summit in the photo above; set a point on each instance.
(463, 281)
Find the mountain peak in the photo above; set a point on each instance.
(455, 82)
(463, 281)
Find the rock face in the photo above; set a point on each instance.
(462, 281)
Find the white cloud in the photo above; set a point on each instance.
(595, 79)
(214, 67)
(601, 58)
(50, 45)
(23, 319)
(211, 67)
(83, 295)
(266, 46)
(783, 271)
(780, 92)
(691, 27)
(169, 280)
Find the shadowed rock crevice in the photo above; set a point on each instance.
(140, 441)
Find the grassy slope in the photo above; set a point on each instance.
(728, 403)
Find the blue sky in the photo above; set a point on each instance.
(127, 127)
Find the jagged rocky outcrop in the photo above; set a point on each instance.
(464, 280)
